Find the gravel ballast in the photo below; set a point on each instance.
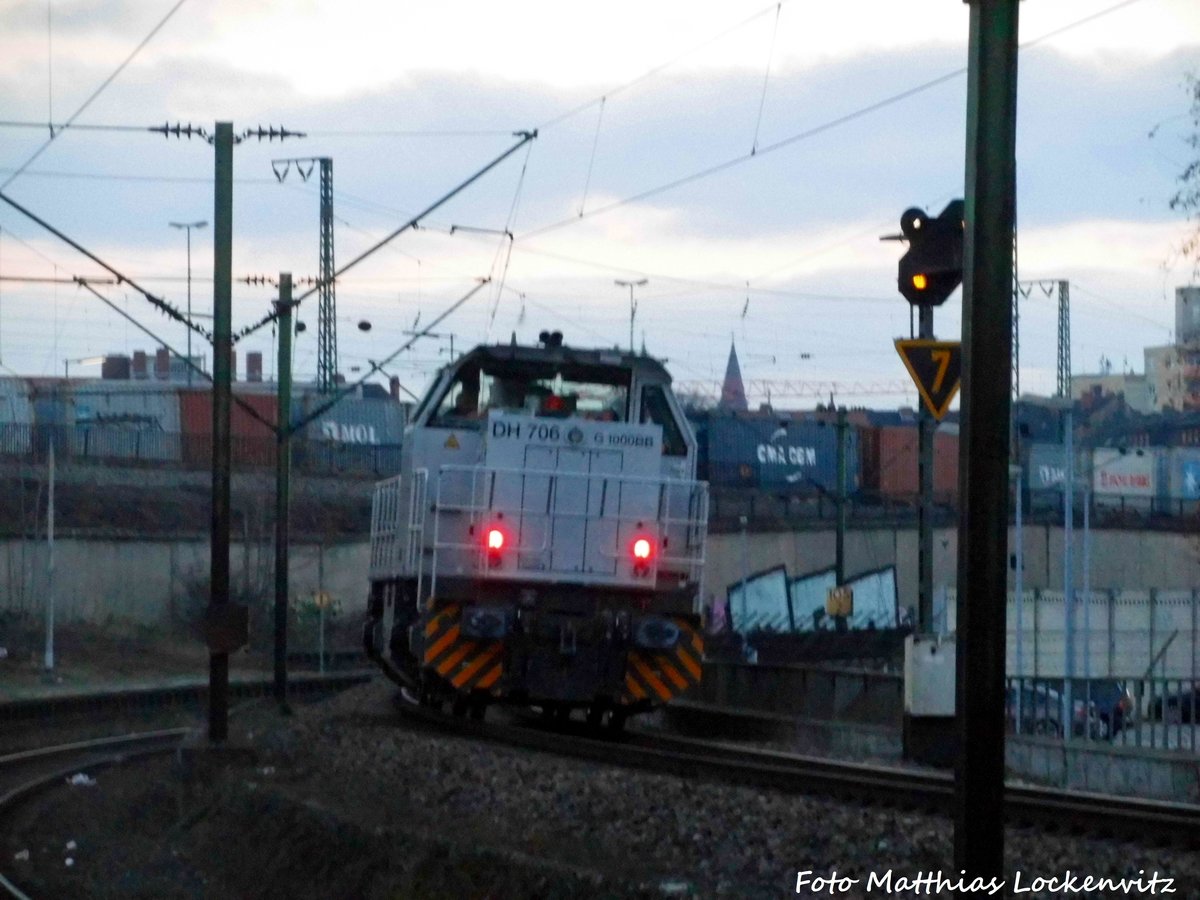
(344, 799)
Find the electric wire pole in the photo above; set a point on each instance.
(984, 437)
(283, 464)
(220, 640)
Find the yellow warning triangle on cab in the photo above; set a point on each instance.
(936, 369)
(451, 442)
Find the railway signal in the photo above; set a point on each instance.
(931, 269)
(936, 368)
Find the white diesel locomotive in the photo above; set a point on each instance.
(544, 542)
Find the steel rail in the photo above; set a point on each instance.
(1053, 809)
(85, 756)
(165, 695)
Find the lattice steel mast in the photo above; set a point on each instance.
(327, 362)
(1064, 340)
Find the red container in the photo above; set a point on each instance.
(252, 443)
(890, 463)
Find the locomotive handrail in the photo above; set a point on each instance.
(481, 501)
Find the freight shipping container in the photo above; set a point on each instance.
(1044, 466)
(135, 421)
(890, 463)
(1183, 473)
(252, 443)
(357, 436)
(1126, 473)
(16, 417)
(778, 454)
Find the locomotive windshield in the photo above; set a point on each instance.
(545, 389)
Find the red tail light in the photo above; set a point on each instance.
(495, 540)
(643, 549)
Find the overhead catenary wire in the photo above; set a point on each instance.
(762, 100)
(816, 130)
(375, 367)
(587, 182)
(162, 305)
(96, 93)
(508, 224)
(526, 137)
(86, 285)
(654, 70)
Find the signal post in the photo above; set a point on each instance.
(929, 273)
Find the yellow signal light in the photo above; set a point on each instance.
(920, 282)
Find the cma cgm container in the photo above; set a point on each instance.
(16, 417)
(776, 454)
(124, 420)
(890, 462)
(252, 443)
(358, 435)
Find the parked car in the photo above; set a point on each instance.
(1182, 706)
(1041, 708)
(1114, 703)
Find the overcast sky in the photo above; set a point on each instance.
(778, 251)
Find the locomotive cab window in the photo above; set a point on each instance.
(656, 410)
(530, 389)
(461, 406)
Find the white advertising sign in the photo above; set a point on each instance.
(1129, 474)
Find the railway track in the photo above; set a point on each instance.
(1101, 815)
(25, 774)
(188, 693)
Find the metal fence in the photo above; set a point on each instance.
(1145, 713)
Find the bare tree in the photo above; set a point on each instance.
(1187, 197)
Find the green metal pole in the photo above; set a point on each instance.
(984, 438)
(283, 466)
(839, 554)
(926, 428)
(218, 675)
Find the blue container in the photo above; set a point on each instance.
(357, 436)
(778, 454)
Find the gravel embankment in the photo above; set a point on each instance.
(346, 800)
(641, 828)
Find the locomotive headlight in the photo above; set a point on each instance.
(656, 633)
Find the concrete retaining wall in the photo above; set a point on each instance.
(1157, 774)
(809, 692)
(159, 583)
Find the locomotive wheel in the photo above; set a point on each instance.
(459, 706)
(478, 709)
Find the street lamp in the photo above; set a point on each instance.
(188, 226)
(632, 303)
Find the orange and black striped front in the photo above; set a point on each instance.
(464, 663)
(655, 676)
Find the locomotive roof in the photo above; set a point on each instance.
(570, 358)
